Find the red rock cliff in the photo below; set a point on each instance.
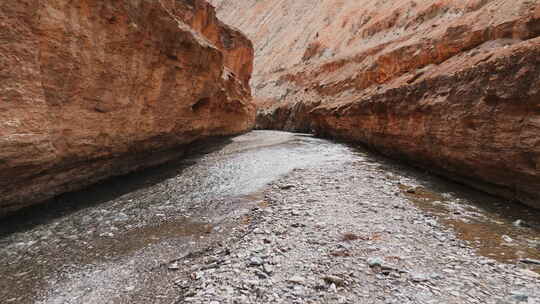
(450, 85)
(91, 89)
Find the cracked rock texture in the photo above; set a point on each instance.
(91, 89)
(452, 86)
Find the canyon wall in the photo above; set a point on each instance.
(90, 89)
(452, 86)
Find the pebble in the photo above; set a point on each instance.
(419, 277)
(530, 261)
(255, 261)
(285, 187)
(261, 274)
(330, 279)
(297, 279)
(520, 223)
(174, 266)
(520, 296)
(268, 269)
(507, 239)
(374, 261)
(333, 288)
(529, 273)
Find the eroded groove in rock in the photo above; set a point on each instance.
(447, 84)
(91, 89)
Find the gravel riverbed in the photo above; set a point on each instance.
(273, 217)
(344, 233)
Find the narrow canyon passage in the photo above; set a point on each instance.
(130, 171)
(190, 230)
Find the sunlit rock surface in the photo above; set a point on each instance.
(453, 86)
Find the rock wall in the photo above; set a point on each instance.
(91, 89)
(449, 85)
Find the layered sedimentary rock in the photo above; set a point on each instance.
(450, 85)
(91, 89)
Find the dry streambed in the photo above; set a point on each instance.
(351, 233)
(333, 224)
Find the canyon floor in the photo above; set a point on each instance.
(273, 217)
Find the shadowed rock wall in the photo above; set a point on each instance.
(91, 89)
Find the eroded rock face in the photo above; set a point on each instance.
(450, 85)
(91, 89)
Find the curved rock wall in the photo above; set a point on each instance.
(449, 85)
(481, 125)
(91, 89)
